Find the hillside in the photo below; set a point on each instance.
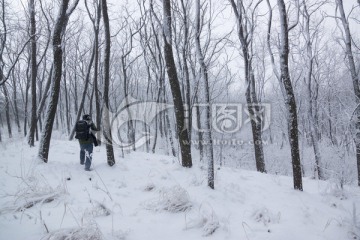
(147, 196)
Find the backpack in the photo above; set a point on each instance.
(82, 130)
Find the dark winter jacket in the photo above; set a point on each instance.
(90, 139)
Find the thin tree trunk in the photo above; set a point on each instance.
(131, 130)
(45, 95)
(91, 102)
(66, 94)
(26, 99)
(61, 106)
(332, 138)
(76, 101)
(157, 118)
(199, 127)
(96, 22)
(169, 133)
(33, 73)
(312, 127)
(204, 75)
(311, 97)
(7, 110)
(16, 108)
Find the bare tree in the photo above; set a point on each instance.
(59, 28)
(86, 86)
(312, 85)
(95, 20)
(33, 73)
(354, 76)
(126, 63)
(290, 100)
(94, 57)
(183, 43)
(175, 87)
(3, 40)
(246, 27)
(106, 117)
(205, 83)
(289, 96)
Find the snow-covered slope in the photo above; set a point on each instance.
(147, 196)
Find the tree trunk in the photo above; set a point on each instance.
(96, 22)
(169, 131)
(130, 124)
(33, 73)
(66, 94)
(16, 108)
(61, 106)
(205, 80)
(59, 29)
(289, 97)
(7, 110)
(175, 87)
(313, 127)
(106, 120)
(251, 97)
(199, 127)
(45, 95)
(76, 102)
(26, 99)
(186, 68)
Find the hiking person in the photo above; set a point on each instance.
(83, 132)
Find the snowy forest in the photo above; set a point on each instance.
(202, 103)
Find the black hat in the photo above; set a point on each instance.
(86, 117)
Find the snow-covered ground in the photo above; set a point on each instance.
(148, 196)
